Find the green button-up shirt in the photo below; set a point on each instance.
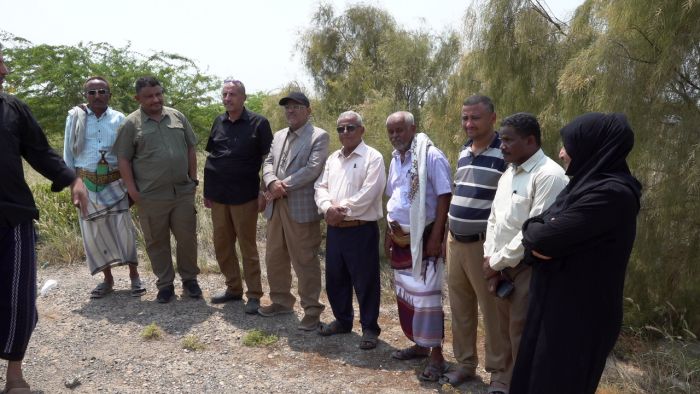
(158, 152)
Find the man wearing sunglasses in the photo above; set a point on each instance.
(349, 194)
(296, 159)
(107, 229)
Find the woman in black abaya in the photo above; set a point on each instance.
(579, 249)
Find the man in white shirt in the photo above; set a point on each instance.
(349, 195)
(529, 186)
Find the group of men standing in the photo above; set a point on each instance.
(467, 229)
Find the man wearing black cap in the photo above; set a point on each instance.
(296, 159)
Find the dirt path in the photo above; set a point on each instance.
(96, 344)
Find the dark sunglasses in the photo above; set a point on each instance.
(93, 92)
(346, 129)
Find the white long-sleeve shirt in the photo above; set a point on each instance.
(354, 182)
(523, 192)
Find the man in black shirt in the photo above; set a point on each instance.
(237, 145)
(21, 137)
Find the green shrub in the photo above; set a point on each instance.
(152, 332)
(257, 338)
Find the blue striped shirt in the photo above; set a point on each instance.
(476, 180)
(100, 134)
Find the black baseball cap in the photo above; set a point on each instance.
(299, 97)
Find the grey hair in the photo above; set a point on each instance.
(405, 115)
(358, 117)
(234, 82)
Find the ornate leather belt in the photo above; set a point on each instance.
(351, 223)
(101, 180)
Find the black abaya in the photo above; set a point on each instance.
(575, 309)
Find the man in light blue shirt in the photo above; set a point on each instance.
(107, 228)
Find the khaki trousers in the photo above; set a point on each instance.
(512, 313)
(231, 223)
(467, 289)
(298, 244)
(158, 219)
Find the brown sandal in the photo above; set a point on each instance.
(432, 372)
(369, 340)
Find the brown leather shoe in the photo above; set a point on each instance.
(274, 310)
(309, 323)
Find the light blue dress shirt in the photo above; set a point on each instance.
(100, 134)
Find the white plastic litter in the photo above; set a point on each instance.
(48, 286)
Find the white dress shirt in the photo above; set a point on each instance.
(523, 192)
(354, 182)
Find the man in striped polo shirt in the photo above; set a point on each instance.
(479, 168)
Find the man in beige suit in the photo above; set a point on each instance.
(296, 159)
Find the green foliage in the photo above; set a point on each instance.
(193, 343)
(59, 239)
(152, 332)
(637, 57)
(258, 338)
(254, 102)
(363, 54)
(50, 80)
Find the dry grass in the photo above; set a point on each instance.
(641, 364)
(192, 343)
(152, 332)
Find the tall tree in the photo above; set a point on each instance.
(362, 53)
(637, 57)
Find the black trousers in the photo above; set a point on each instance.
(352, 262)
(18, 315)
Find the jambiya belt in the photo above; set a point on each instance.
(99, 180)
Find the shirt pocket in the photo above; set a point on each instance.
(148, 141)
(519, 210)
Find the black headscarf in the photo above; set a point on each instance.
(598, 145)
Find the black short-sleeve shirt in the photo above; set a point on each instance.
(236, 150)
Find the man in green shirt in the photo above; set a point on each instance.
(157, 161)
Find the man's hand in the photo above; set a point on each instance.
(486, 267)
(335, 215)
(434, 247)
(79, 196)
(134, 195)
(540, 255)
(207, 203)
(492, 284)
(277, 189)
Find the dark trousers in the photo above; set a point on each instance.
(17, 289)
(352, 261)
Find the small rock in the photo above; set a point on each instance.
(72, 383)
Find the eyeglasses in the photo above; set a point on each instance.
(93, 92)
(293, 107)
(346, 129)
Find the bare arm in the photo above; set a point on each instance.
(127, 175)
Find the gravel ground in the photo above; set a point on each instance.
(88, 346)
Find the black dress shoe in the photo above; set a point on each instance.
(225, 297)
(165, 294)
(192, 289)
